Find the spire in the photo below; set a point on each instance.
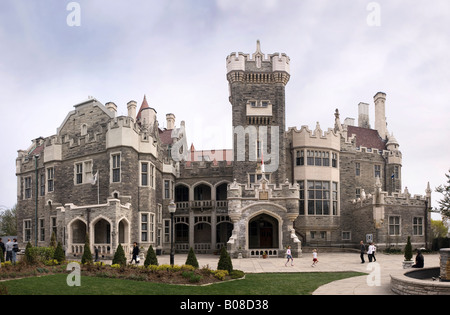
(143, 106)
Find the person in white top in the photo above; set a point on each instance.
(315, 260)
(371, 252)
(289, 256)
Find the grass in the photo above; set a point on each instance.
(253, 284)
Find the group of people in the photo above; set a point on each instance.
(370, 252)
(10, 249)
(290, 258)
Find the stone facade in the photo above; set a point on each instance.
(112, 178)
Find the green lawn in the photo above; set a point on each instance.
(253, 284)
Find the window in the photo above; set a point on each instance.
(317, 158)
(300, 159)
(334, 158)
(144, 174)
(27, 187)
(301, 209)
(144, 227)
(83, 172)
(255, 178)
(54, 225)
(166, 189)
(151, 228)
(358, 193)
(27, 230)
(166, 231)
(50, 178)
(346, 236)
(318, 198)
(115, 168)
(253, 103)
(41, 230)
(394, 225)
(357, 169)
(377, 171)
(417, 226)
(334, 189)
(42, 182)
(79, 173)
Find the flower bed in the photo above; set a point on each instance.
(185, 274)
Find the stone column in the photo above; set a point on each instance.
(445, 264)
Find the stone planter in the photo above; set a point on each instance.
(407, 264)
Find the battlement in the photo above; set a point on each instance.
(314, 138)
(258, 62)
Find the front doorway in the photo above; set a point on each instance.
(263, 232)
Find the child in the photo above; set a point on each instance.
(315, 261)
(289, 256)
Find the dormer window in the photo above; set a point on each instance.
(264, 103)
(253, 103)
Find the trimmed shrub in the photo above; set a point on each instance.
(225, 261)
(408, 250)
(119, 257)
(150, 258)
(87, 255)
(59, 253)
(191, 259)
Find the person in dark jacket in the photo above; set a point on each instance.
(363, 250)
(135, 253)
(419, 260)
(2, 246)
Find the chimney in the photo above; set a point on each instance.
(380, 114)
(363, 115)
(132, 109)
(170, 118)
(111, 107)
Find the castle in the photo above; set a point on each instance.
(112, 178)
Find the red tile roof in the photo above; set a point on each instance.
(365, 137)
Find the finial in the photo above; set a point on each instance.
(258, 46)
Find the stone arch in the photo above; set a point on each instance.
(202, 190)
(264, 230)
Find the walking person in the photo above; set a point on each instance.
(135, 253)
(2, 246)
(315, 260)
(373, 252)
(289, 256)
(15, 250)
(9, 247)
(363, 250)
(370, 252)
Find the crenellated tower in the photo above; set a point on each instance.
(257, 94)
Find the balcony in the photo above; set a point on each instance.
(202, 205)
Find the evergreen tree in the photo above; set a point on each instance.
(119, 256)
(225, 260)
(87, 255)
(150, 258)
(191, 259)
(444, 203)
(59, 253)
(53, 240)
(408, 250)
(29, 257)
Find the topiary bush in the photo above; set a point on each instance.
(191, 259)
(119, 257)
(59, 253)
(408, 250)
(150, 258)
(87, 255)
(225, 261)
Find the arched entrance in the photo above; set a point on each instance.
(263, 232)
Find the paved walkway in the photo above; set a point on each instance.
(377, 282)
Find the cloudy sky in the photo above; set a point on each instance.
(54, 54)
